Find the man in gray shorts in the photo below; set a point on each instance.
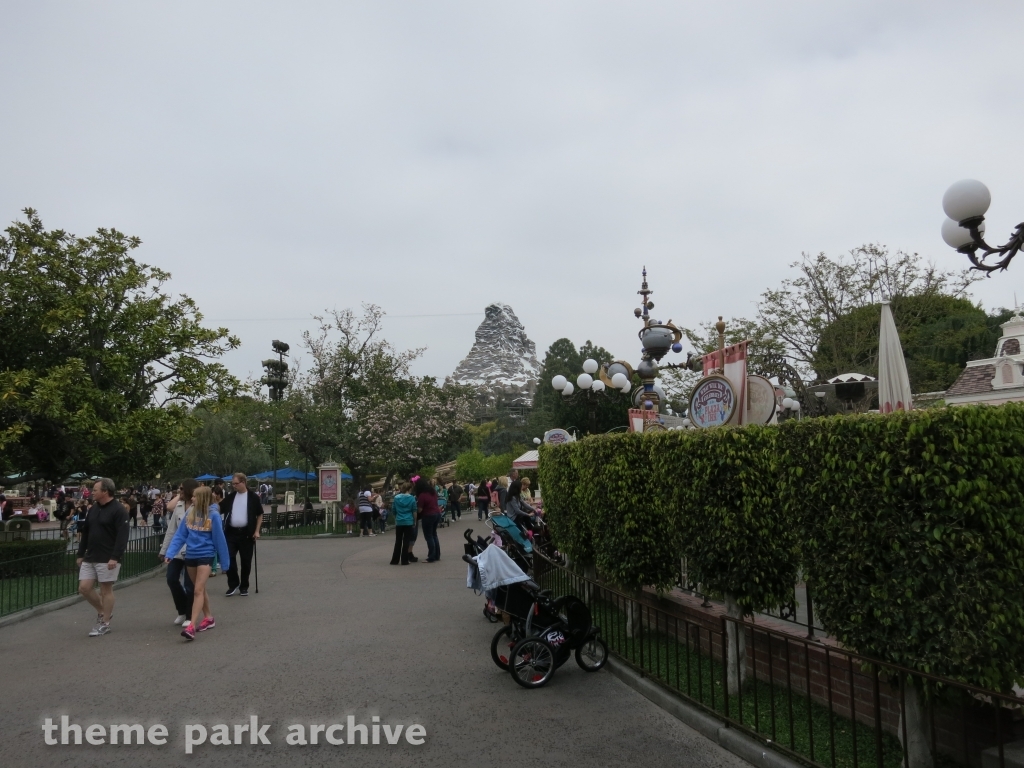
(104, 538)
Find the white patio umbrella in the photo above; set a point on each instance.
(893, 382)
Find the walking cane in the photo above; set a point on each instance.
(256, 565)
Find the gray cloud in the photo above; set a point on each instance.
(435, 157)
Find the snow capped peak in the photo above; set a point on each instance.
(502, 358)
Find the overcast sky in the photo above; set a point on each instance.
(433, 157)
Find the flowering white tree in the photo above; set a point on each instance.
(359, 403)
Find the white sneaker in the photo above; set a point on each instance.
(99, 629)
(181, 618)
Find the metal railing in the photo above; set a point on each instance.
(798, 610)
(30, 581)
(822, 705)
(315, 522)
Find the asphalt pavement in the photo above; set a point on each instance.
(335, 631)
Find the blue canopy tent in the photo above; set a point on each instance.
(207, 478)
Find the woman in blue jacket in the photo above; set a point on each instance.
(202, 535)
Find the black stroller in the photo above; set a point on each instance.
(540, 631)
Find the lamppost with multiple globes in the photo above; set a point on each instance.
(611, 378)
(966, 202)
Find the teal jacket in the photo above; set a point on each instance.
(404, 507)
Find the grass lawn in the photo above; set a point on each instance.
(60, 579)
(786, 717)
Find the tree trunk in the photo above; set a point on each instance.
(919, 740)
(736, 645)
(590, 574)
(634, 617)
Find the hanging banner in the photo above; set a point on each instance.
(641, 419)
(735, 370)
(713, 402)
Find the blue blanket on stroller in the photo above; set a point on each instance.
(507, 527)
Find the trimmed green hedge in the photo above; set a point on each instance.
(909, 527)
(40, 556)
(19, 548)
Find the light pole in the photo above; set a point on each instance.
(591, 390)
(657, 338)
(276, 380)
(965, 204)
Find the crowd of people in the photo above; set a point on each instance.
(204, 526)
(209, 526)
(421, 504)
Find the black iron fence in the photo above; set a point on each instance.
(308, 522)
(26, 582)
(813, 701)
(799, 609)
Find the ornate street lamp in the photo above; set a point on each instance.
(613, 377)
(966, 203)
(657, 339)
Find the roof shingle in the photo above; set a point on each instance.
(973, 381)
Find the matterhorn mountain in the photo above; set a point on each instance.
(502, 360)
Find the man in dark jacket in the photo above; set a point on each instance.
(104, 538)
(243, 516)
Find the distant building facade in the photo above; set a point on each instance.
(994, 380)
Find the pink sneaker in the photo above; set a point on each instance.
(207, 623)
(188, 632)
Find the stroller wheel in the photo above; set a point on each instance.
(501, 647)
(592, 655)
(532, 662)
(491, 617)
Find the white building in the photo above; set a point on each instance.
(998, 379)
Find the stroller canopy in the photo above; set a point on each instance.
(498, 569)
(508, 528)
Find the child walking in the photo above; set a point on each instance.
(202, 535)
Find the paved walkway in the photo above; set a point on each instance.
(334, 631)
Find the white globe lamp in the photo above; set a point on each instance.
(598, 386)
(957, 236)
(584, 381)
(966, 199)
(590, 366)
(568, 389)
(620, 380)
(559, 382)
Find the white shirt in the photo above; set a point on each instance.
(240, 510)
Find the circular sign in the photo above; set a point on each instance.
(712, 402)
(760, 400)
(557, 437)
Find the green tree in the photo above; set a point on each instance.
(939, 334)
(98, 364)
(827, 289)
(360, 405)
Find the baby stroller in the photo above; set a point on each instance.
(519, 547)
(473, 548)
(541, 632)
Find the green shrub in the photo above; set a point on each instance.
(913, 534)
(23, 557)
(737, 536)
(909, 527)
